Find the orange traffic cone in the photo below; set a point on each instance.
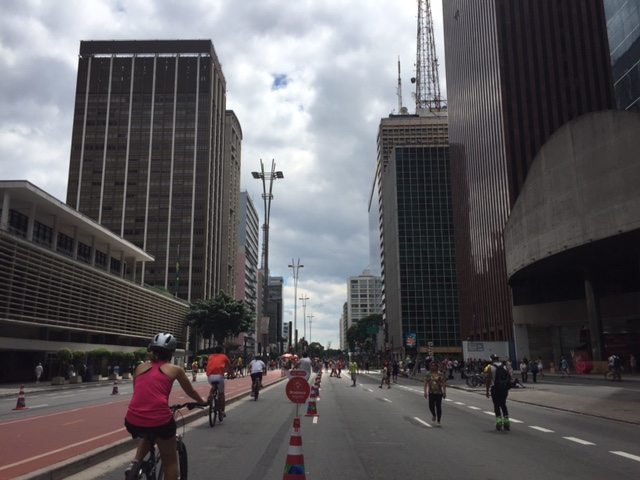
(21, 405)
(294, 466)
(312, 409)
(115, 388)
(314, 392)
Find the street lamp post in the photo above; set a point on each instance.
(310, 317)
(304, 314)
(267, 196)
(295, 268)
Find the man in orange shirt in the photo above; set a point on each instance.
(217, 365)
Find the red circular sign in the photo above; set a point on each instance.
(298, 390)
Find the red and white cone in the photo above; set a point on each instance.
(21, 405)
(294, 466)
(312, 409)
(115, 388)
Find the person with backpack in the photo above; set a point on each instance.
(615, 365)
(498, 384)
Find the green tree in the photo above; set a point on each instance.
(65, 356)
(359, 332)
(220, 317)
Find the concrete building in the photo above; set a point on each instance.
(65, 283)
(517, 71)
(364, 298)
(247, 286)
(148, 158)
(412, 195)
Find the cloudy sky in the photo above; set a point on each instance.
(308, 79)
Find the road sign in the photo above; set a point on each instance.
(298, 373)
(298, 390)
(373, 329)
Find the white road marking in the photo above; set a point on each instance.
(474, 408)
(422, 422)
(513, 420)
(578, 440)
(387, 400)
(490, 413)
(457, 403)
(368, 390)
(541, 429)
(626, 455)
(315, 419)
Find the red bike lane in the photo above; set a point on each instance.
(42, 441)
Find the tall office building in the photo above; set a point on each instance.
(623, 28)
(147, 157)
(516, 72)
(415, 232)
(248, 242)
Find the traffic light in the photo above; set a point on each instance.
(386, 349)
(290, 348)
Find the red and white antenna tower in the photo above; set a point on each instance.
(427, 81)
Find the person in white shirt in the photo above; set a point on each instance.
(305, 363)
(256, 368)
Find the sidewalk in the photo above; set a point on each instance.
(583, 394)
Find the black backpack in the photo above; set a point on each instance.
(502, 379)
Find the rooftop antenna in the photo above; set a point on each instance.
(427, 81)
(399, 90)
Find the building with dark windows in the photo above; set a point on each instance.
(148, 159)
(67, 281)
(517, 71)
(364, 298)
(415, 234)
(623, 28)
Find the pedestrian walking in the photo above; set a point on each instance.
(353, 369)
(633, 363)
(395, 369)
(564, 366)
(385, 377)
(39, 371)
(524, 369)
(498, 383)
(540, 368)
(533, 365)
(435, 389)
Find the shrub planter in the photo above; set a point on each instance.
(59, 381)
(126, 376)
(96, 378)
(75, 379)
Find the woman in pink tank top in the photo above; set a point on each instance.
(149, 411)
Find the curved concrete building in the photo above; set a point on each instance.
(572, 241)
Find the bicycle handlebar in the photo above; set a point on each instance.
(190, 406)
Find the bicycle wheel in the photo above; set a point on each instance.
(608, 375)
(138, 471)
(183, 464)
(213, 411)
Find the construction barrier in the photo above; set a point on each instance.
(115, 388)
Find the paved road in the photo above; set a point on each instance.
(586, 394)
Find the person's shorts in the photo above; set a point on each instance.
(167, 430)
(257, 375)
(219, 379)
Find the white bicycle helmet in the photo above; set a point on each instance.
(164, 341)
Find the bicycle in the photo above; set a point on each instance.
(612, 374)
(255, 388)
(476, 380)
(151, 467)
(214, 408)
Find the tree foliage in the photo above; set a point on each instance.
(357, 333)
(220, 317)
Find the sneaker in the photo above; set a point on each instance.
(438, 425)
(433, 419)
(498, 426)
(507, 426)
(379, 386)
(128, 470)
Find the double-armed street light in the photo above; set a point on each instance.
(295, 268)
(267, 196)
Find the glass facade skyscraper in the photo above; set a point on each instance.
(623, 28)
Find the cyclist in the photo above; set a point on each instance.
(149, 412)
(615, 367)
(217, 365)
(256, 368)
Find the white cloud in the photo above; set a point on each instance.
(340, 63)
